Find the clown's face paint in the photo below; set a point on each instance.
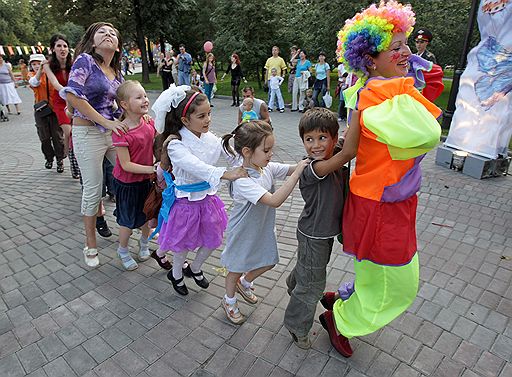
(393, 61)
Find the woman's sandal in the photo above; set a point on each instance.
(203, 283)
(162, 262)
(181, 289)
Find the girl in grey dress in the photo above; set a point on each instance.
(251, 246)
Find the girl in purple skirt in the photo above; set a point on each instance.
(192, 217)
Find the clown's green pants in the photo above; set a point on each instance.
(381, 294)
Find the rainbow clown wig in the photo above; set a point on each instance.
(370, 32)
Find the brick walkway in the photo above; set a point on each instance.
(58, 318)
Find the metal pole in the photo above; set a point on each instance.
(461, 65)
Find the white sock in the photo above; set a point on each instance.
(202, 255)
(178, 259)
(230, 300)
(246, 284)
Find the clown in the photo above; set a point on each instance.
(392, 126)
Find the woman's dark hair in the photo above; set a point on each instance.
(86, 45)
(237, 58)
(173, 122)
(250, 134)
(54, 62)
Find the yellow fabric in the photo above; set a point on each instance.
(404, 125)
(277, 63)
(381, 294)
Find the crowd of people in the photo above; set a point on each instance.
(166, 175)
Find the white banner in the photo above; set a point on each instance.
(482, 122)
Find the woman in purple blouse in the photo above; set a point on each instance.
(91, 91)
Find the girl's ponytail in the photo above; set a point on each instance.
(225, 144)
(249, 134)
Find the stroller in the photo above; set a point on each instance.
(3, 114)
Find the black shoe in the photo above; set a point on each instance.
(48, 164)
(233, 104)
(203, 283)
(60, 166)
(292, 110)
(181, 289)
(162, 262)
(103, 229)
(211, 105)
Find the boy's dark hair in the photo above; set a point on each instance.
(249, 134)
(247, 89)
(319, 118)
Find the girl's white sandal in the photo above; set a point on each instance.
(91, 257)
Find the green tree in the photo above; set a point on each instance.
(192, 27)
(136, 19)
(16, 22)
(247, 28)
(73, 32)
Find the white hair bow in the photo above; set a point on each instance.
(170, 98)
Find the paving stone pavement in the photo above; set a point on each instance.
(59, 318)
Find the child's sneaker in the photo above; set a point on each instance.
(247, 293)
(303, 342)
(233, 313)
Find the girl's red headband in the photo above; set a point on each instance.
(192, 97)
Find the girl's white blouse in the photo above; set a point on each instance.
(193, 160)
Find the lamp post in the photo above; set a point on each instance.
(461, 65)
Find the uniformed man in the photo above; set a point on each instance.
(422, 38)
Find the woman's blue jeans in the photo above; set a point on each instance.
(320, 87)
(208, 89)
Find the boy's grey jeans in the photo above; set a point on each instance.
(306, 283)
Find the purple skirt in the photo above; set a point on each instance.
(194, 224)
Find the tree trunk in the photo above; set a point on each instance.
(152, 67)
(162, 44)
(258, 75)
(140, 42)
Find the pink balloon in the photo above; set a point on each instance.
(208, 46)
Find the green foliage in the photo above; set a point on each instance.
(247, 28)
(192, 26)
(447, 20)
(16, 22)
(73, 32)
(28, 22)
